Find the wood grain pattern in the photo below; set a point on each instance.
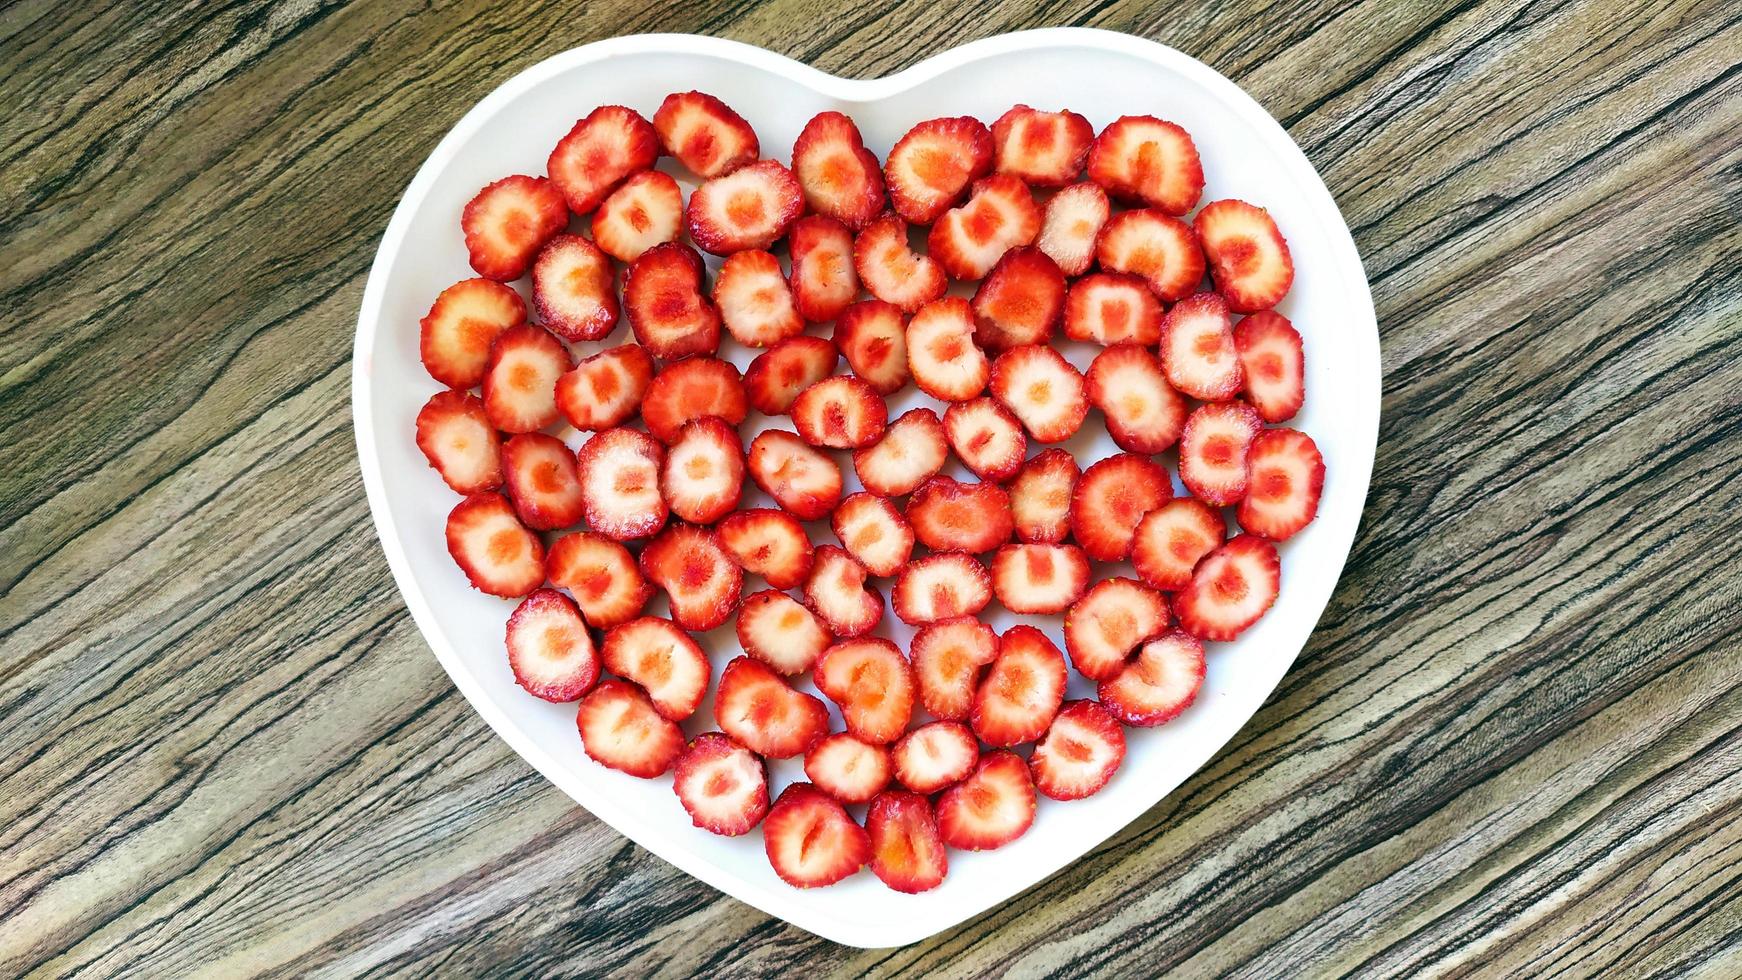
(1513, 746)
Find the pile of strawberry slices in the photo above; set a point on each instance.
(952, 265)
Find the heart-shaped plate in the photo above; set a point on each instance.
(1102, 75)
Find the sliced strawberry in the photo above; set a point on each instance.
(573, 289)
(520, 381)
(906, 852)
(911, 452)
(1043, 149)
(703, 476)
(1271, 359)
(873, 531)
(755, 706)
(1249, 259)
(619, 471)
(941, 354)
(620, 729)
(810, 839)
(891, 270)
(1071, 224)
(1080, 753)
(662, 295)
(508, 222)
(947, 658)
(941, 586)
(599, 153)
(646, 211)
(803, 481)
(704, 134)
(1197, 349)
(661, 658)
(457, 438)
(751, 207)
(847, 768)
(1215, 451)
(1287, 476)
(1020, 302)
(778, 374)
(693, 388)
(601, 575)
(459, 328)
(1172, 538)
(1022, 690)
(498, 554)
(1039, 578)
(1158, 248)
(775, 629)
(1108, 622)
(549, 649)
(840, 413)
(823, 279)
(986, 437)
(948, 515)
(1040, 497)
(1042, 389)
(838, 593)
(1144, 414)
(769, 543)
(701, 580)
(931, 166)
(992, 807)
(542, 481)
(605, 390)
(1230, 589)
(840, 177)
(1159, 683)
(969, 240)
(1144, 160)
(754, 300)
(873, 685)
(721, 784)
(1107, 308)
(939, 753)
(1111, 498)
(873, 336)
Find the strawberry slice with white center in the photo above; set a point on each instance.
(930, 167)
(936, 755)
(749, 208)
(1042, 149)
(1111, 498)
(759, 709)
(508, 222)
(456, 333)
(619, 471)
(662, 295)
(703, 476)
(873, 531)
(969, 240)
(601, 575)
(1272, 361)
(872, 335)
(1042, 389)
(840, 413)
(992, 807)
(1021, 301)
(1109, 308)
(840, 177)
(1081, 752)
(1159, 683)
(1108, 622)
(1230, 589)
(1040, 497)
(599, 153)
(906, 852)
(1147, 161)
(457, 438)
(721, 784)
(705, 134)
(986, 438)
(661, 658)
(549, 649)
(605, 390)
(823, 279)
(542, 481)
(754, 300)
(769, 543)
(1249, 259)
(1144, 414)
(848, 768)
(1158, 248)
(1215, 450)
(702, 581)
(913, 449)
(941, 586)
(498, 554)
(891, 270)
(621, 730)
(1039, 578)
(775, 629)
(941, 354)
(574, 289)
(838, 593)
(803, 481)
(520, 381)
(948, 656)
(1021, 691)
(1172, 538)
(873, 685)
(646, 211)
(1287, 476)
(810, 839)
(778, 374)
(693, 388)
(1197, 349)
(948, 515)
(1071, 224)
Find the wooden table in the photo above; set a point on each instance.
(1512, 747)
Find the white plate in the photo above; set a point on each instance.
(1099, 74)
